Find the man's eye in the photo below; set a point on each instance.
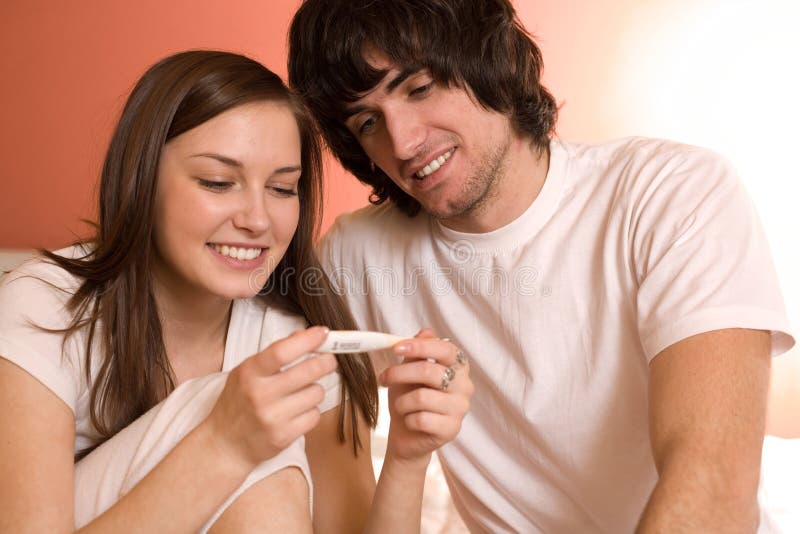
(422, 89)
(214, 185)
(367, 125)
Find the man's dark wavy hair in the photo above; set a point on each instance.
(478, 45)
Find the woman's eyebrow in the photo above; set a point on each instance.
(288, 170)
(238, 164)
(219, 157)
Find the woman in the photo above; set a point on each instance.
(169, 354)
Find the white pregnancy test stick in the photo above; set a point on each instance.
(346, 341)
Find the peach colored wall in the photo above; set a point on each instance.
(67, 68)
(68, 65)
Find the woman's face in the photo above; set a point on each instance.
(226, 203)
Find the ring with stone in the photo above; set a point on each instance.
(447, 377)
(461, 359)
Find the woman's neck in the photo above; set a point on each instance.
(194, 329)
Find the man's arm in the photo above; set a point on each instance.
(707, 411)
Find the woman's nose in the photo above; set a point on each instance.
(252, 214)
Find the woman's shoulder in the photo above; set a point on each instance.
(34, 314)
(39, 273)
(39, 284)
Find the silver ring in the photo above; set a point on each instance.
(447, 377)
(461, 359)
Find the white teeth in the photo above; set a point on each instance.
(434, 165)
(239, 253)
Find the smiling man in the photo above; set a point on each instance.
(617, 301)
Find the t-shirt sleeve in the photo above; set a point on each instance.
(34, 298)
(701, 258)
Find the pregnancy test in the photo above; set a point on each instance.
(346, 341)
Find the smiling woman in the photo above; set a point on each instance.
(227, 204)
(157, 355)
(175, 382)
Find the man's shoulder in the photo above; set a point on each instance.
(639, 166)
(635, 152)
(374, 221)
(372, 234)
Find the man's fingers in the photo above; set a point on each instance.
(440, 426)
(440, 350)
(431, 400)
(421, 372)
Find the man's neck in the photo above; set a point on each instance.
(514, 191)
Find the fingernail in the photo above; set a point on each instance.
(325, 329)
(402, 348)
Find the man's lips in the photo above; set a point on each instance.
(432, 165)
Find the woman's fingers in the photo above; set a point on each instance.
(285, 351)
(292, 416)
(270, 399)
(275, 372)
(299, 375)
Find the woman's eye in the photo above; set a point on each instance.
(214, 185)
(283, 191)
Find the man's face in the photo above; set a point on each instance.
(436, 143)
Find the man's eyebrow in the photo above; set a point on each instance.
(219, 157)
(402, 76)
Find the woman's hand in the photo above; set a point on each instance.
(262, 409)
(429, 395)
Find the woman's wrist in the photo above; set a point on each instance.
(221, 448)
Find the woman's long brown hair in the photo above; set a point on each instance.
(115, 301)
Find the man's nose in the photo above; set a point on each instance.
(406, 131)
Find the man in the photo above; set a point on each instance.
(617, 302)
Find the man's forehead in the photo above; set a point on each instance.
(377, 58)
(393, 76)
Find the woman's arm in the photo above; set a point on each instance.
(343, 483)
(259, 412)
(37, 433)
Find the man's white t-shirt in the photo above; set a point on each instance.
(630, 247)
